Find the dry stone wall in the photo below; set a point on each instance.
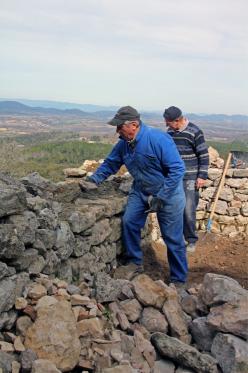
(58, 229)
(231, 213)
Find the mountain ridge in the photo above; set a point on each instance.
(10, 107)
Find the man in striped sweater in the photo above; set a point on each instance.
(193, 149)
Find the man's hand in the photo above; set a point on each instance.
(200, 183)
(155, 204)
(87, 184)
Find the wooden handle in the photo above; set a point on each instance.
(220, 186)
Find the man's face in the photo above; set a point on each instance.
(127, 131)
(175, 124)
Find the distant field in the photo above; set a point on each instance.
(49, 154)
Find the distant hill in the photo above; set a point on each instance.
(89, 108)
(17, 108)
(101, 112)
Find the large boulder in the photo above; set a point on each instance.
(231, 318)
(53, 336)
(231, 353)
(217, 289)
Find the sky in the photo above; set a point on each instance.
(148, 54)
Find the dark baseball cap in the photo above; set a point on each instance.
(123, 114)
(172, 113)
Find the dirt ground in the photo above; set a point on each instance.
(214, 253)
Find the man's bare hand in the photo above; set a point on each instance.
(200, 183)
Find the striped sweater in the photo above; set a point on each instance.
(193, 150)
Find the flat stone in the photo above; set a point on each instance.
(42, 365)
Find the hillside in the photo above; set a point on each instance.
(17, 118)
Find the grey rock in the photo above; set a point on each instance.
(47, 237)
(231, 317)
(67, 191)
(189, 305)
(12, 196)
(73, 289)
(6, 270)
(7, 319)
(11, 244)
(231, 353)
(82, 246)
(80, 221)
(115, 225)
(217, 289)
(125, 186)
(65, 241)
(64, 271)
(163, 366)
(107, 289)
(52, 263)
(105, 253)
(202, 333)
(153, 320)
(183, 354)
(25, 225)
(38, 185)
(6, 361)
(37, 203)
(100, 231)
(27, 358)
(24, 261)
(47, 219)
(11, 288)
(184, 370)
(37, 265)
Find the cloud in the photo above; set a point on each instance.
(94, 41)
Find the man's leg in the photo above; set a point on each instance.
(192, 199)
(132, 222)
(170, 220)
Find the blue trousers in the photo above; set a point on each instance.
(192, 199)
(170, 219)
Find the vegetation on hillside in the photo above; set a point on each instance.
(50, 153)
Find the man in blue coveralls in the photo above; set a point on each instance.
(153, 161)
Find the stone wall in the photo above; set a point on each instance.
(231, 213)
(57, 229)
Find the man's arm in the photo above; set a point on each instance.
(201, 151)
(110, 165)
(171, 161)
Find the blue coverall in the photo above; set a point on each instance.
(157, 170)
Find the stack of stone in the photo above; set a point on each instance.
(58, 229)
(124, 326)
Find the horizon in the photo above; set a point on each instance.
(3, 99)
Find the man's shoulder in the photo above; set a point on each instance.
(193, 127)
(156, 132)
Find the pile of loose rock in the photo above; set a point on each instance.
(142, 326)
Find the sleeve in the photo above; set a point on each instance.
(173, 164)
(110, 165)
(201, 151)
